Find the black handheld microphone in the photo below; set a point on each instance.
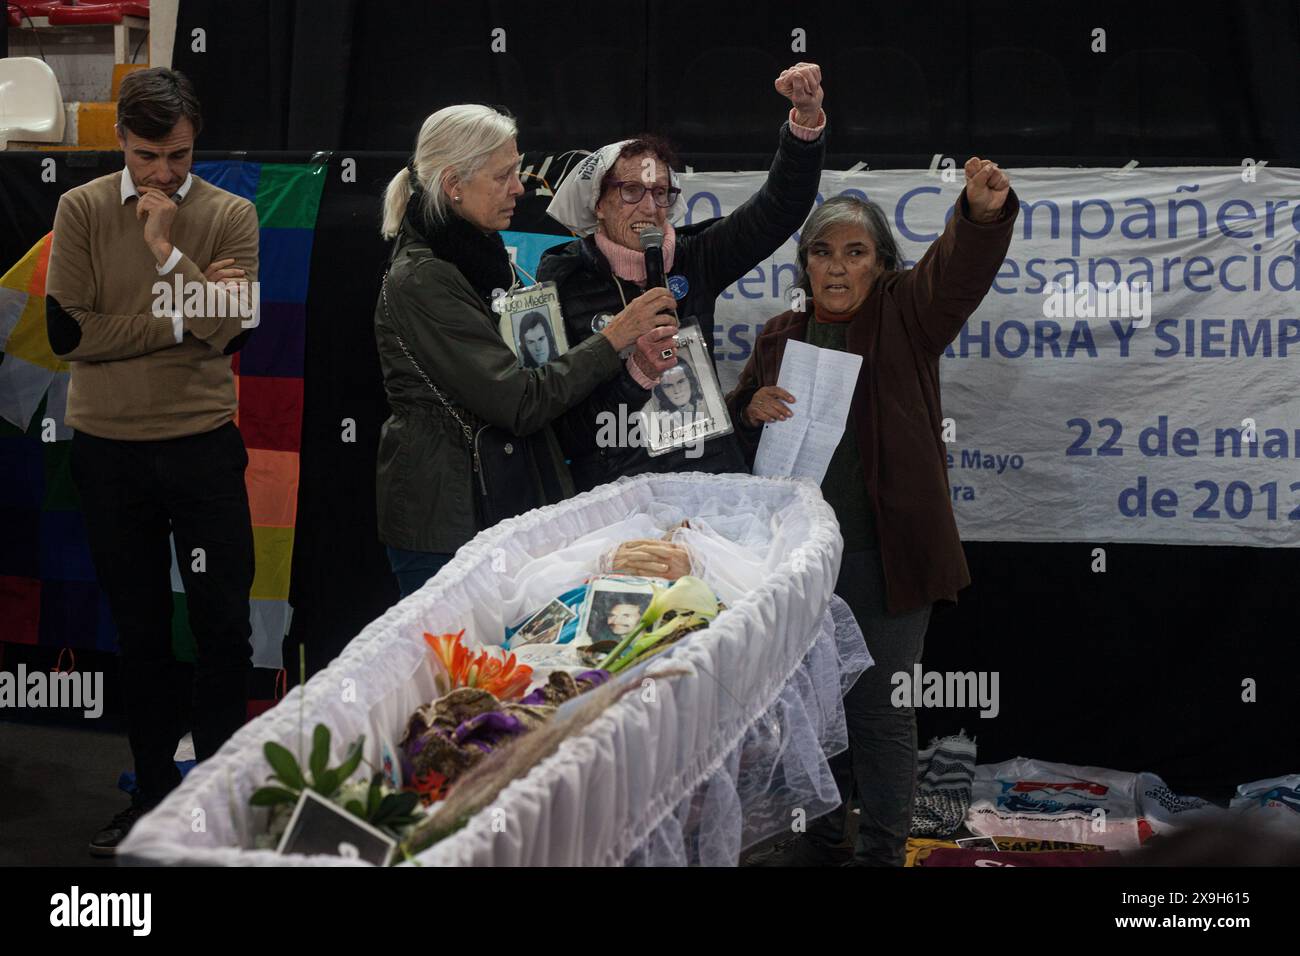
(652, 244)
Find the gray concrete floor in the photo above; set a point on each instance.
(58, 787)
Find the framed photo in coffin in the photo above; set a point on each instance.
(320, 827)
(613, 608)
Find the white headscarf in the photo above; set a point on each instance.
(574, 205)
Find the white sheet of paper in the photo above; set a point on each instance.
(822, 381)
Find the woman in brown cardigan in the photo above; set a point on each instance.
(888, 479)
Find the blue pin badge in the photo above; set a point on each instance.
(678, 286)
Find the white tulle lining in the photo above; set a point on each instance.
(777, 776)
(705, 765)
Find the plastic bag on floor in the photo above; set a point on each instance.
(1054, 801)
(1165, 810)
(1277, 799)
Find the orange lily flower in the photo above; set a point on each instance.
(505, 679)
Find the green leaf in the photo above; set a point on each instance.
(352, 760)
(320, 751)
(284, 765)
(623, 645)
(405, 801)
(373, 797)
(272, 796)
(327, 783)
(396, 806)
(355, 808)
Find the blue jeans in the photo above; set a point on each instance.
(413, 568)
(879, 768)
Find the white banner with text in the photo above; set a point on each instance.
(1133, 373)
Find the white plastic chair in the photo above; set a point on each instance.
(31, 106)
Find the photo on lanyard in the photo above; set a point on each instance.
(686, 407)
(532, 325)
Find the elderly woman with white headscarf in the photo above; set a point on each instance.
(608, 200)
(449, 375)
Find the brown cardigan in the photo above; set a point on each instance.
(901, 330)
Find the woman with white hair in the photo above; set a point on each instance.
(449, 375)
(609, 200)
(888, 478)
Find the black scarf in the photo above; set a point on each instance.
(480, 257)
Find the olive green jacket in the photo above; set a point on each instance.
(425, 484)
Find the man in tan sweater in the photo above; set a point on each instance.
(156, 454)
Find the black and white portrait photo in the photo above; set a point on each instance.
(686, 406)
(532, 325)
(679, 392)
(534, 340)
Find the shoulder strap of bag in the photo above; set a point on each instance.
(464, 428)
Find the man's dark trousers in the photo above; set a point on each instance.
(134, 496)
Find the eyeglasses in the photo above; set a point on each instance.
(632, 193)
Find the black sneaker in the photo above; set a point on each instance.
(106, 840)
(802, 851)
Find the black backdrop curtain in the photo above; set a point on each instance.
(1137, 668)
(949, 75)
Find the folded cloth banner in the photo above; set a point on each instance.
(1164, 417)
(48, 592)
(1017, 845)
(918, 848)
(945, 774)
(945, 857)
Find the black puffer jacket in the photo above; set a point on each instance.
(710, 256)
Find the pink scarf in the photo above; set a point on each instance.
(630, 264)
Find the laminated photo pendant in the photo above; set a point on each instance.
(601, 320)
